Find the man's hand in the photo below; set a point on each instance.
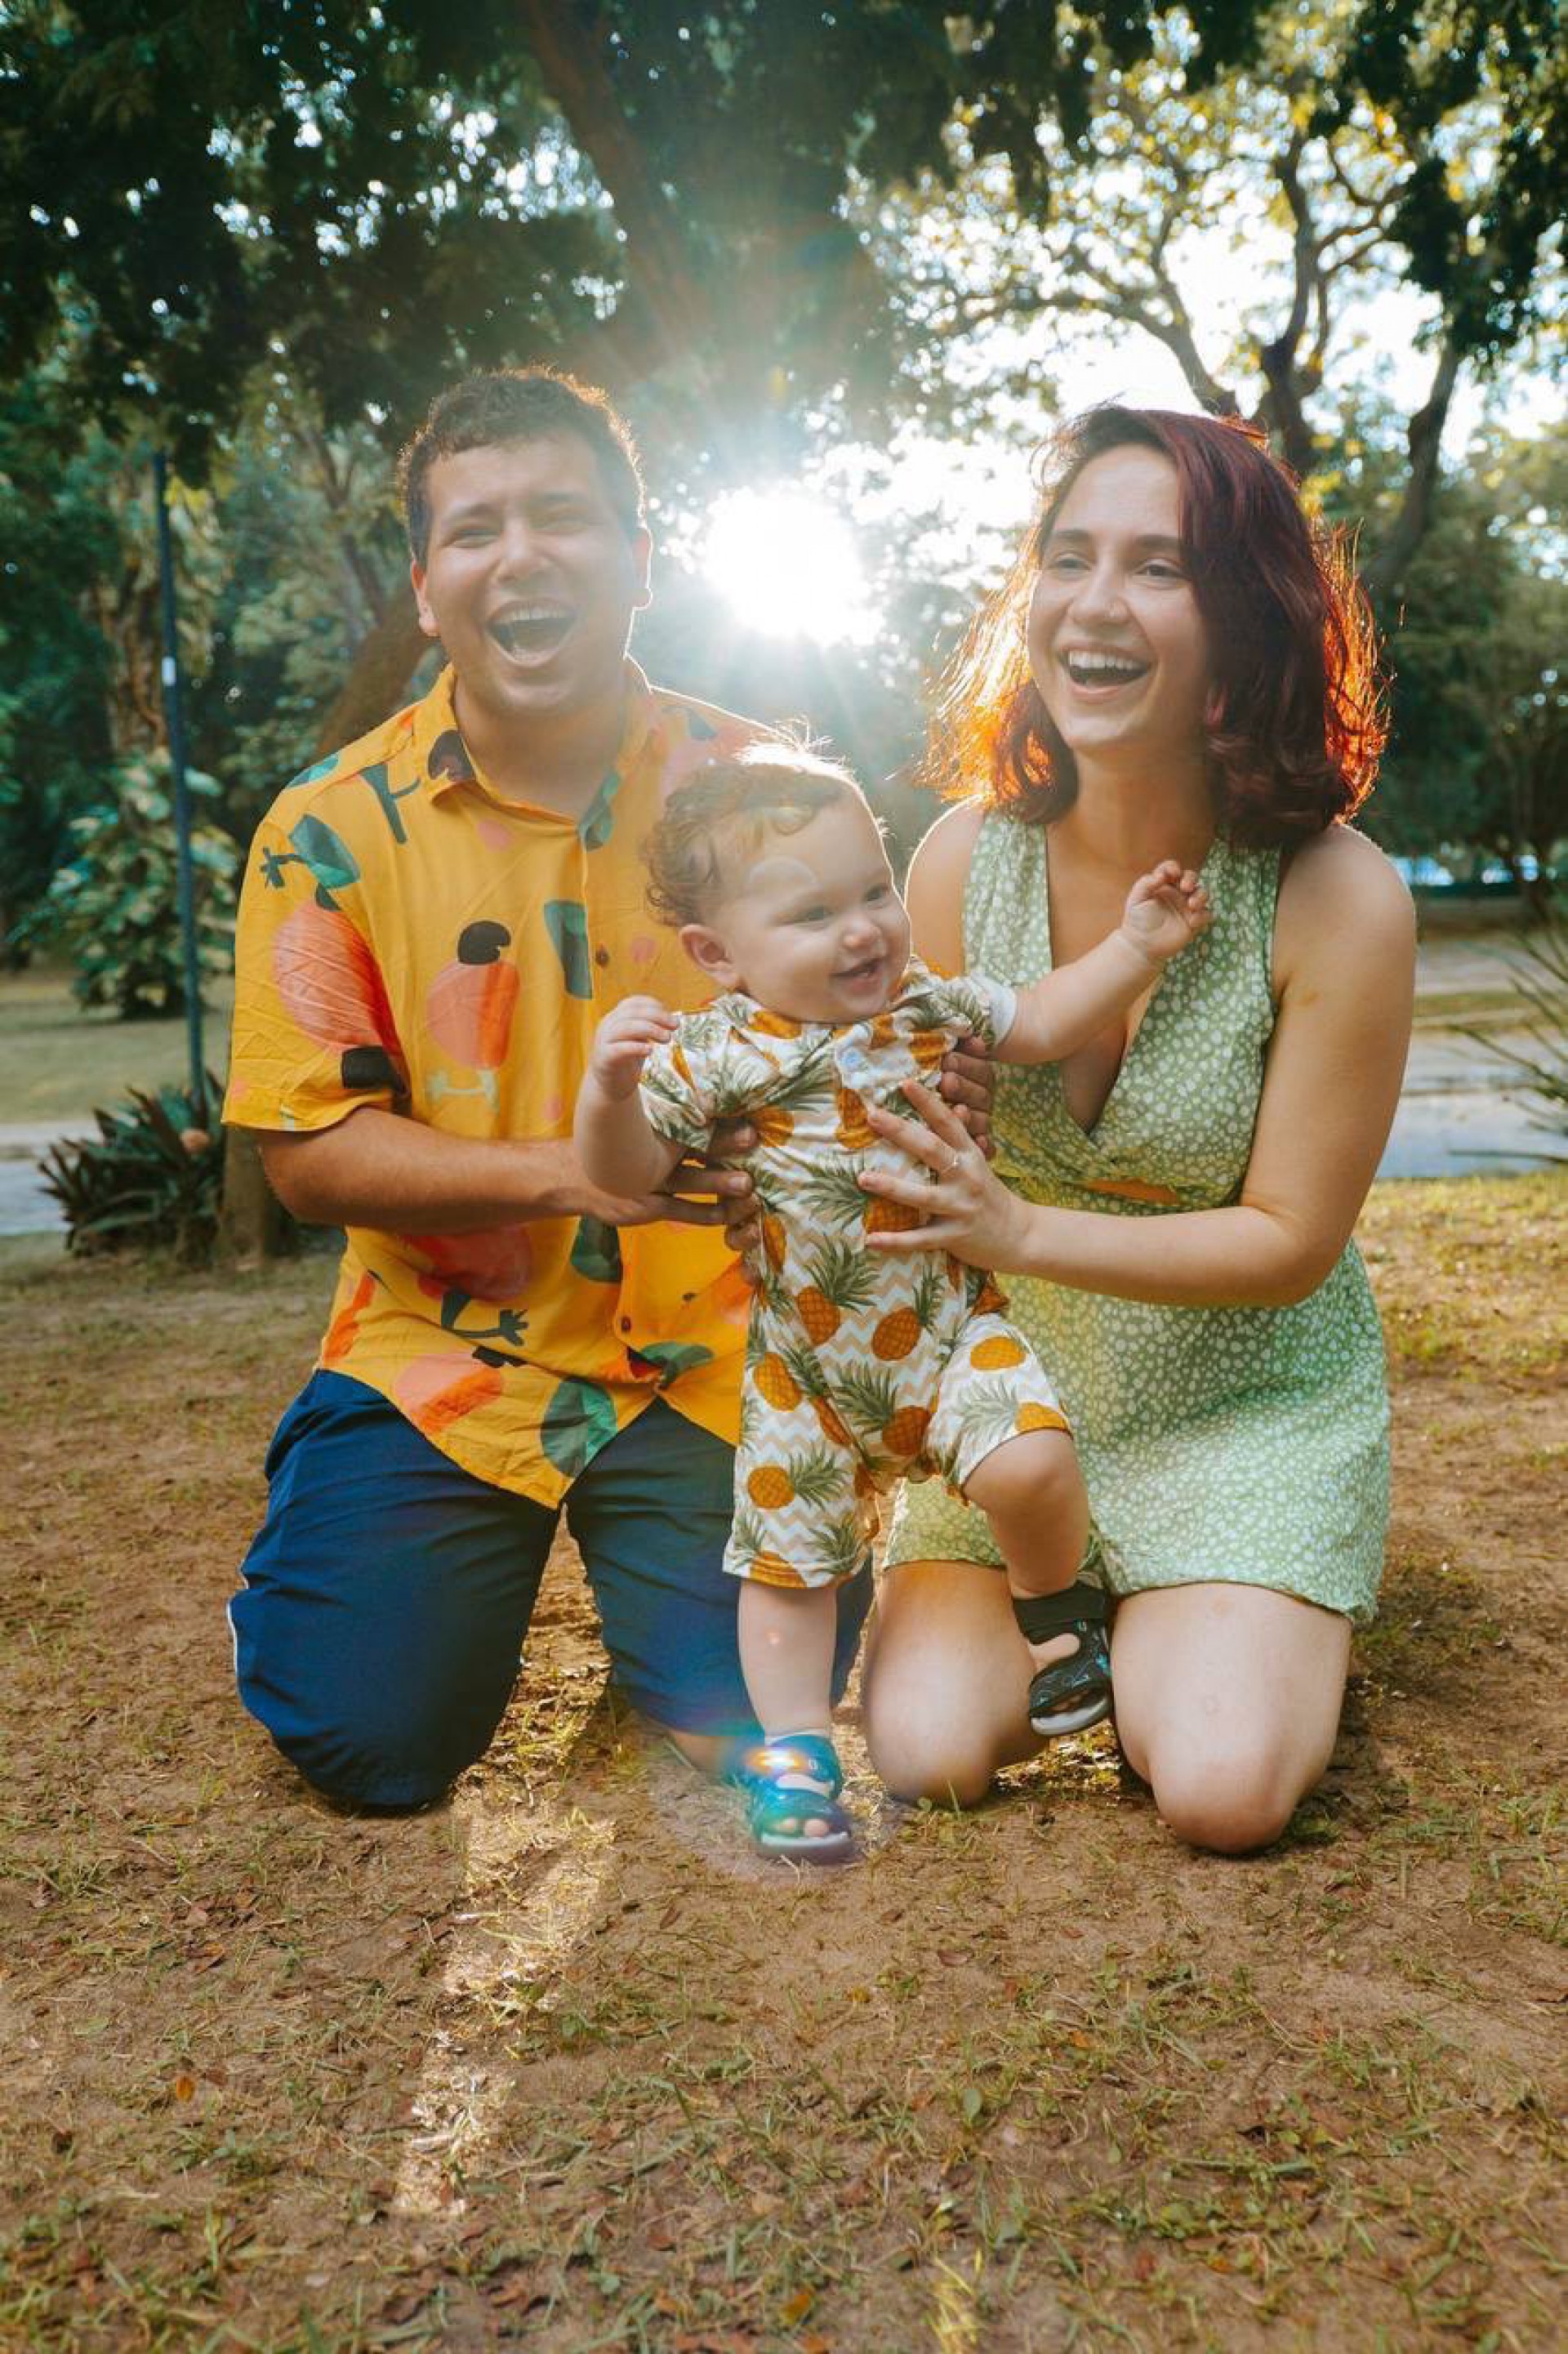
(969, 1083)
(623, 1042)
(1166, 910)
(696, 1192)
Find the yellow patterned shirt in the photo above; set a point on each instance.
(408, 939)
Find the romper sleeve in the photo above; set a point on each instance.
(683, 1084)
(314, 1036)
(976, 1005)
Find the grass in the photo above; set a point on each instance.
(58, 1063)
(560, 2064)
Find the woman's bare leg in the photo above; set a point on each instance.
(945, 1685)
(1227, 1697)
(1227, 1702)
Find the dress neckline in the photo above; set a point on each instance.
(1091, 1131)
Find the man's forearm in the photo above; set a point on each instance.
(375, 1169)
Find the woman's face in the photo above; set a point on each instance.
(1116, 645)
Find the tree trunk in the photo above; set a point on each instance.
(378, 675)
(1384, 575)
(251, 1224)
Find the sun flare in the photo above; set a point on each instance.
(787, 564)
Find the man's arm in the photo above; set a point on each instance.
(375, 1169)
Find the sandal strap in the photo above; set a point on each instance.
(809, 1756)
(1041, 1616)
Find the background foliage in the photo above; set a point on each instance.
(113, 905)
(262, 236)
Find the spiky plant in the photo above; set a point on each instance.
(150, 1179)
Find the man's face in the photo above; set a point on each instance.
(530, 581)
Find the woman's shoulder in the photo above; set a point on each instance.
(1340, 894)
(946, 848)
(938, 873)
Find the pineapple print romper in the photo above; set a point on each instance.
(861, 1370)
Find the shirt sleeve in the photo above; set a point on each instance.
(314, 1034)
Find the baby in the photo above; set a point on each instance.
(861, 1369)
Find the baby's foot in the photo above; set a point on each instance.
(792, 1784)
(1071, 1688)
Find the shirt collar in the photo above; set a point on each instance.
(444, 759)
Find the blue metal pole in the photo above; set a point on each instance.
(176, 722)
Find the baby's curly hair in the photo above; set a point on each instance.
(727, 810)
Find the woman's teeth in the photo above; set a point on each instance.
(1103, 670)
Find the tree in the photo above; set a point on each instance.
(369, 201)
(1477, 764)
(1353, 152)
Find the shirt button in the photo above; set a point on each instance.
(601, 956)
(626, 1323)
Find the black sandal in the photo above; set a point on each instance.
(1070, 1694)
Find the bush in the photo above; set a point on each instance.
(1534, 1051)
(152, 1178)
(115, 908)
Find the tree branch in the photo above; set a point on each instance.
(659, 258)
(1385, 571)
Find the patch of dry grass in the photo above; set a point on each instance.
(562, 2065)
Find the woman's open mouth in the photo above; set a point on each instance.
(1096, 672)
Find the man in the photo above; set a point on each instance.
(433, 924)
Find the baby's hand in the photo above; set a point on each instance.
(1166, 910)
(623, 1042)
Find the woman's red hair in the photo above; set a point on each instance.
(1296, 719)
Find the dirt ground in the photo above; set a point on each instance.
(561, 2065)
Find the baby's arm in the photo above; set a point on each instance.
(1165, 911)
(619, 1151)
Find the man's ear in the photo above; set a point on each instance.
(709, 954)
(428, 621)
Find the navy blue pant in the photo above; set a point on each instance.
(379, 1630)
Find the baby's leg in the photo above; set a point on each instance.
(1031, 1492)
(788, 1635)
(786, 1639)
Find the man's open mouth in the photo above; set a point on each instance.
(1103, 670)
(526, 631)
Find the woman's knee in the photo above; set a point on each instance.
(950, 1765)
(944, 1693)
(1232, 1801)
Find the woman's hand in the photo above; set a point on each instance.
(969, 1083)
(968, 1211)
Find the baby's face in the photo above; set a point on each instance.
(813, 927)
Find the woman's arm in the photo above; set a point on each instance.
(1344, 970)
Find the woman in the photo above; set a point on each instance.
(1180, 668)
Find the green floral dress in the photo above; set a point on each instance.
(1247, 1446)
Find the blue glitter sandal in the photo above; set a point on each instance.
(789, 1783)
(1070, 1694)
